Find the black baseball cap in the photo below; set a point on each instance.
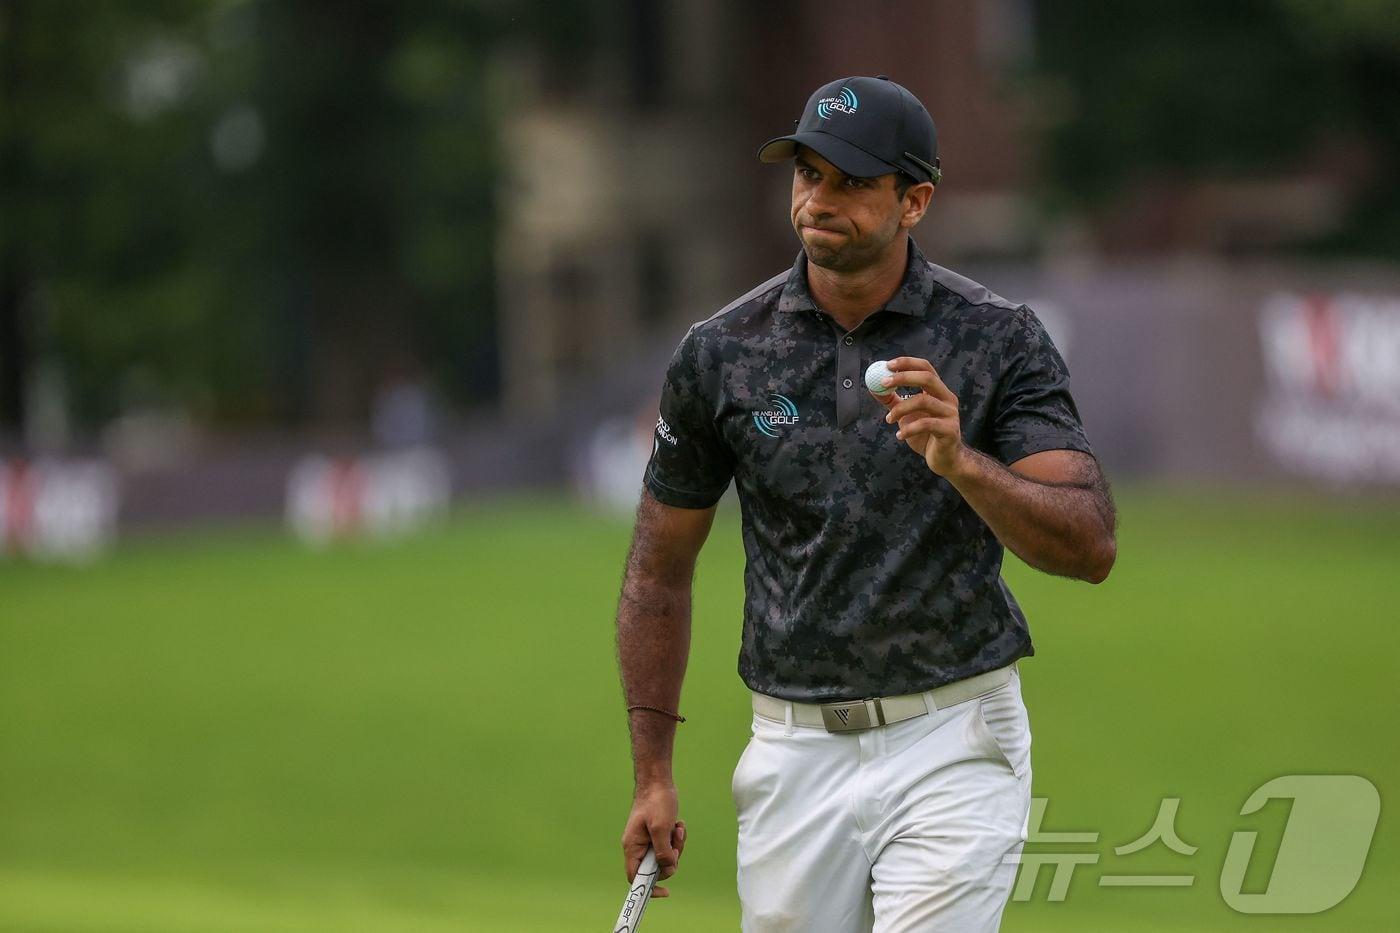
(865, 127)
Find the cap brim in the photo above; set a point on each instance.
(849, 158)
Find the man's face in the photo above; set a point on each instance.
(845, 223)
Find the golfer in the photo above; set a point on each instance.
(887, 782)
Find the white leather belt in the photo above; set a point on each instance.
(853, 715)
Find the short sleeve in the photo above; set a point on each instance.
(690, 464)
(1034, 410)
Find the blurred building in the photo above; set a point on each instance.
(245, 255)
(633, 205)
(632, 202)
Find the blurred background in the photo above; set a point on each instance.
(331, 337)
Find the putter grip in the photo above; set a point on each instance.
(636, 904)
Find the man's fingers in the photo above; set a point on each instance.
(920, 379)
(918, 405)
(634, 845)
(888, 399)
(919, 373)
(660, 892)
(678, 839)
(922, 426)
(632, 856)
(666, 855)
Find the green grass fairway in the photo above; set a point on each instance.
(228, 733)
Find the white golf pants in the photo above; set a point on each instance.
(899, 828)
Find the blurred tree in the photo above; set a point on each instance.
(94, 272)
(1363, 38)
(1199, 88)
(244, 208)
(375, 195)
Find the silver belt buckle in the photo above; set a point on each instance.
(852, 715)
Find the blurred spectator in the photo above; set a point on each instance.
(401, 413)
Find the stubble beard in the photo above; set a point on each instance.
(837, 260)
(850, 257)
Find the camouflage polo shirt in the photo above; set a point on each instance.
(867, 574)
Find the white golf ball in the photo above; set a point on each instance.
(875, 374)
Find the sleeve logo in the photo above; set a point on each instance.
(663, 431)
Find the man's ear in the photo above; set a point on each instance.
(916, 203)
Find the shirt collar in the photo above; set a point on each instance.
(916, 291)
(911, 298)
(796, 296)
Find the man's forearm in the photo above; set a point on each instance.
(653, 645)
(1062, 528)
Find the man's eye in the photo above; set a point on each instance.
(855, 182)
(807, 173)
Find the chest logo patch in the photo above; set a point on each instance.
(772, 421)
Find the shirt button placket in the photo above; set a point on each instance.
(847, 378)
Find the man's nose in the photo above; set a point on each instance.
(821, 203)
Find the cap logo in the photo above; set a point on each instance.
(845, 102)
